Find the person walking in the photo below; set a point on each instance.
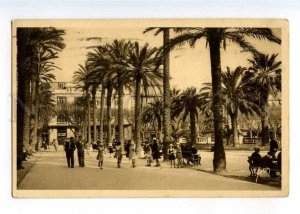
(155, 152)
(100, 155)
(172, 152)
(69, 148)
(55, 144)
(80, 151)
(179, 155)
(132, 152)
(118, 153)
(148, 151)
(110, 149)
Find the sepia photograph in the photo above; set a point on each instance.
(150, 108)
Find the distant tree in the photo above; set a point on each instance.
(189, 102)
(266, 73)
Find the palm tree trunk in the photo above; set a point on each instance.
(23, 116)
(193, 128)
(121, 115)
(94, 116)
(234, 130)
(108, 114)
(89, 118)
(160, 134)
(84, 125)
(219, 161)
(36, 116)
(166, 94)
(264, 129)
(32, 136)
(137, 115)
(101, 113)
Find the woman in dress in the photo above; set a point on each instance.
(155, 152)
(100, 155)
(149, 155)
(132, 153)
(172, 152)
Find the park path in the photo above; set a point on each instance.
(50, 172)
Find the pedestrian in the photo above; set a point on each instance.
(69, 148)
(148, 152)
(155, 152)
(80, 150)
(100, 155)
(172, 152)
(132, 152)
(55, 144)
(179, 155)
(118, 153)
(44, 145)
(110, 149)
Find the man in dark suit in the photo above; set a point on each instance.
(69, 149)
(80, 150)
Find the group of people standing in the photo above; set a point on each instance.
(175, 152)
(152, 152)
(70, 146)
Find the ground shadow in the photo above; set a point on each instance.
(273, 182)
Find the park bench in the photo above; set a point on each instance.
(272, 168)
(259, 170)
(188, 156)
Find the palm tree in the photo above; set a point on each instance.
(239, 97)
(144, 64)
(152, 115)
(27, 41)
(215, 38)
(189, 103)
(267, 78)
(81, 78)
(100, 66)
(118, 53)
(167, 127)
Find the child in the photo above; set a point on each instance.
(171, 152)
(149, 155)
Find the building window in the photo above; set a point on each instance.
(61, 119)
(62, 85)
(61, 100)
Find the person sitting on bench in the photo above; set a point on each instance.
(254, 161)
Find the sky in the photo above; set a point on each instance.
(188, 66)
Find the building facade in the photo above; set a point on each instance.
(66, 93)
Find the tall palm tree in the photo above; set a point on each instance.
(83, 82)
(118, 53)
(28, 39)
(189, 103)
(239, 97)
(43, 66)
(144, 64)
(267, 74)
(167, 127)
(100, 66)
(152, 115)
(215, 39)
